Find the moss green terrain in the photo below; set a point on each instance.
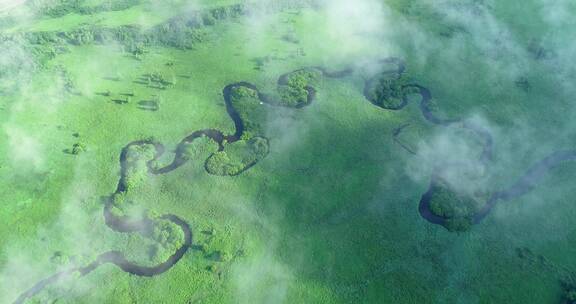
(316, 203)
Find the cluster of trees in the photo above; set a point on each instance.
(523, 83)
(56, 8)
(123, 100)
(136, 165)
(241, 92)
(169, 238)
(538, 51)
(388, 91)
(218, 249)
(220, 163)
(78, 148)
(568, 281)
(67, 82)
(200, 146)
(458, 224)
(179, 32)
(570, 296)
(184, 31)
(44, 46)
(59, 258)
(250, 109)
(260, 62)
(157, 80)
(293, 91)
(456, 208)
(65, 7)
(237, 157)
(152, 104)
(566, 277)
(133, 38)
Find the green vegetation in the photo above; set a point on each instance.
(570, 294)
(180, 32)
(251, 110)
(294, 92)
(237, 157)
(544, 266)
(388, 90)
(78, 148)
(169, 238)
(157, 80)
(201, 147)
(66, 7)
(457, 208)
(323, 205)
(137, 159)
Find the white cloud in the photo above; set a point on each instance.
(6, 5)
(24, 149)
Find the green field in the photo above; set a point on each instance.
(317, 198)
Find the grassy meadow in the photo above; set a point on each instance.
(330, 215)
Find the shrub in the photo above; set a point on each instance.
(179, 32)
(152, 104)
(221, 164)
(60, 258)
(388, 91)
(293, 89)
(241, 92)
(157, 80)
(77, 148)
(250, 109)
(66, 7)
(571, 296)
(237, 157)
(259, 148)
(120, 204)
(119, 199)
(458, 224)
(168, 234)
(200, 146)
(456, 208)
(137, 165)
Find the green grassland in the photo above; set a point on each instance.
(329, 211)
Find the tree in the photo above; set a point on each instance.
(386, 91)
(571, 296)
(237, 156)
(77, 148)
(168, 234)
(458, 224)
(455, 207)
(294, 90)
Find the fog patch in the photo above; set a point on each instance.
(261, 279)
(24, 149)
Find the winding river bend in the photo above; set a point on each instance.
(523, 185)
(125, 224)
